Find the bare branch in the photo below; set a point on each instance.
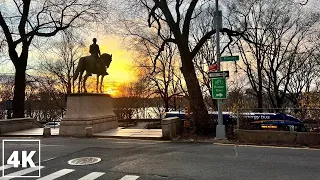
(166, 41)
(304, 3)
(187, 20)
(201, 42)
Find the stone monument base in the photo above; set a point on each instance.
(88, 110)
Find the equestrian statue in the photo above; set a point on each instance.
(97, 64)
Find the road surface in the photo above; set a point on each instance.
(123, 159)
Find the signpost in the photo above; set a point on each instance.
(218, 74)
(220, 129)
(229, 58)
(219, 88)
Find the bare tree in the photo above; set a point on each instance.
(177, 16)
(56, 74)
(6, 87)
(257, 33)
(131, 99)
(289, 52)
(280, 32)
(206, 55)
(44, 18)
(165, 80)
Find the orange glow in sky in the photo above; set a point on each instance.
(121, 69)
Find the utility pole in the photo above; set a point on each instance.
(220, 129)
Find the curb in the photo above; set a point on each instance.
(128, 137)
(111, 137)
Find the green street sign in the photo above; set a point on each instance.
(229, 58)
(219, 88)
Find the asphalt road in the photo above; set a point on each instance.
(137, 159)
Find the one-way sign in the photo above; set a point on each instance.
(218, 74)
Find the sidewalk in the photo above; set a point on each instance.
(131, 133)
(31, 132)
(120, 132)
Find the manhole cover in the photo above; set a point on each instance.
(84, 161)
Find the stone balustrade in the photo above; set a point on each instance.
(18, 124)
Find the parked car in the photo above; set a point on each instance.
(52, 124)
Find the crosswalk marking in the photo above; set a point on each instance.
(57, 174)
(5, 167)
(92, 176)
(129, 177)
(21, 173)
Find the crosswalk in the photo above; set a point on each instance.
(58, 174)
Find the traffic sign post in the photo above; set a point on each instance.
(220, 129)
(219, 88)
(229, 58)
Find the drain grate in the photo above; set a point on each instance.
(84, 161)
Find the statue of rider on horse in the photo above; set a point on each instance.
(95, 52)
(97, 63)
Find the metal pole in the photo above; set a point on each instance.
(238, 120)
(73, 77)
(220, 129)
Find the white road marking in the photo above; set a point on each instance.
(268, 146)
(129, 177)
(5, 167)
(133, 143)
(49, 145)
(92, 176)
(21, 173)
(48, 159)
(23, 144)
(57, 174)
(236, 151)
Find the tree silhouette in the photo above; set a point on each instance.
(23, 20)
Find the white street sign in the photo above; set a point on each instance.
(218, 74)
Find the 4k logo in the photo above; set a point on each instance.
(25, 158)
(21, 155)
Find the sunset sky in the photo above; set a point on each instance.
(121, 70)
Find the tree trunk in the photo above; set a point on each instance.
(166, 105)
(19, 90)
(68, 91)
(200, 113)
(259, 101)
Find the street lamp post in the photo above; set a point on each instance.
(220, 129)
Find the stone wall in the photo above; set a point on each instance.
(308, 138)
(11, 125)
(278, 137)
(171, 127)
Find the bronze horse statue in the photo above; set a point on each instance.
(92, 66)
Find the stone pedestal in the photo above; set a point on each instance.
(88, 110)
